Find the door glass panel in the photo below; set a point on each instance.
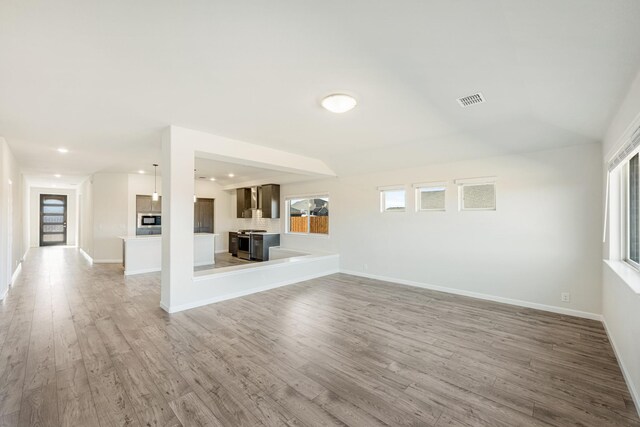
(53, 228)
(53, 238)
(53, 202)
(53, 219)
(53, 209)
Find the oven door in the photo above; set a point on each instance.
(244, 246)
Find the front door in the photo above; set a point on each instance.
(53, 220)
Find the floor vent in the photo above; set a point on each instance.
(474, 99)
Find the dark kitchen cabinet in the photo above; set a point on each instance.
(243, 202)
(260, 244)
(270, 201)
(203, 216)
(233, 243)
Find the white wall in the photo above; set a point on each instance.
(110, 208)
(224, 211)
(542, 240)
(621, 306)
(85, 223)
(34, 214)
(11, 219)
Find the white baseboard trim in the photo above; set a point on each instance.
(222, 251)
(520, 303)
(15, 274)
(86, 255)
(243, 293)
(143, 271)
(107, 261)
(635, 395)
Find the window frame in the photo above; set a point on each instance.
(382, 199)
(625, 212)
(431, 185)
(468, 182)
(287, 206)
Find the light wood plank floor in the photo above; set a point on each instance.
(81, 345)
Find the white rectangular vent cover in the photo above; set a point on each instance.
(474, 99)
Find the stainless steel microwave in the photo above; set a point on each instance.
(149, 220)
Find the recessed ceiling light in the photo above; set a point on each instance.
(141, 172)
(57, 175)
(212, 179)
(63, 150)
(339, 102)
(231, 175)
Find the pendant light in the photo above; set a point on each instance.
(155, 197)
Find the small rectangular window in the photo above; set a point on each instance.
(633, 214)
(430, 197)
(393, 200)
(479, 196)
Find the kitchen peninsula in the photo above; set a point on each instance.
(143, 254)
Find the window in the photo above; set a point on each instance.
(477, 194)
(392, 199)
(430, 197)
(632, 212)
(308, 215)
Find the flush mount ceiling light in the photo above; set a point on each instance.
(141, 172)
(63, 150)
(231, 175)
(212, 179)
(57, 175)
(338, 102)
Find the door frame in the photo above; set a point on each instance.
(65, 199)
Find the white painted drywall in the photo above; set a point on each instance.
(11, 229)
(542, 240)
(110, 207)
(85, 223)
(621, 306)
(34, 214)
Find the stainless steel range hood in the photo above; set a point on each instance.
(256, 195)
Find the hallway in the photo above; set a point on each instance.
(83, 346)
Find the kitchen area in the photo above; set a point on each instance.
(256, 215)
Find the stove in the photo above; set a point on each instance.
(245, 243)
(251, 231)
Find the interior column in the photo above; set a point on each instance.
(177, 219)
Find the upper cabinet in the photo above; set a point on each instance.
(265, 198)
(243, 199)
(270, 201)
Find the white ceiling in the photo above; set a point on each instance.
(242, 175)
(104, 77)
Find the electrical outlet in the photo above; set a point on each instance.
(565, 297)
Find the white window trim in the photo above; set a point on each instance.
(418, 187)
(470, 182)
(305, 196)
(624, 211)
(382, 190)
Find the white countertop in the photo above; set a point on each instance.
(159, 236)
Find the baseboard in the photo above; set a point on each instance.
(222, 251)
(86, 255)
(107, 261)
(635, 395)
(15, 274)
(520, 303)
(246, 292)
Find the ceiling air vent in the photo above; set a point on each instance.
(470, 100)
